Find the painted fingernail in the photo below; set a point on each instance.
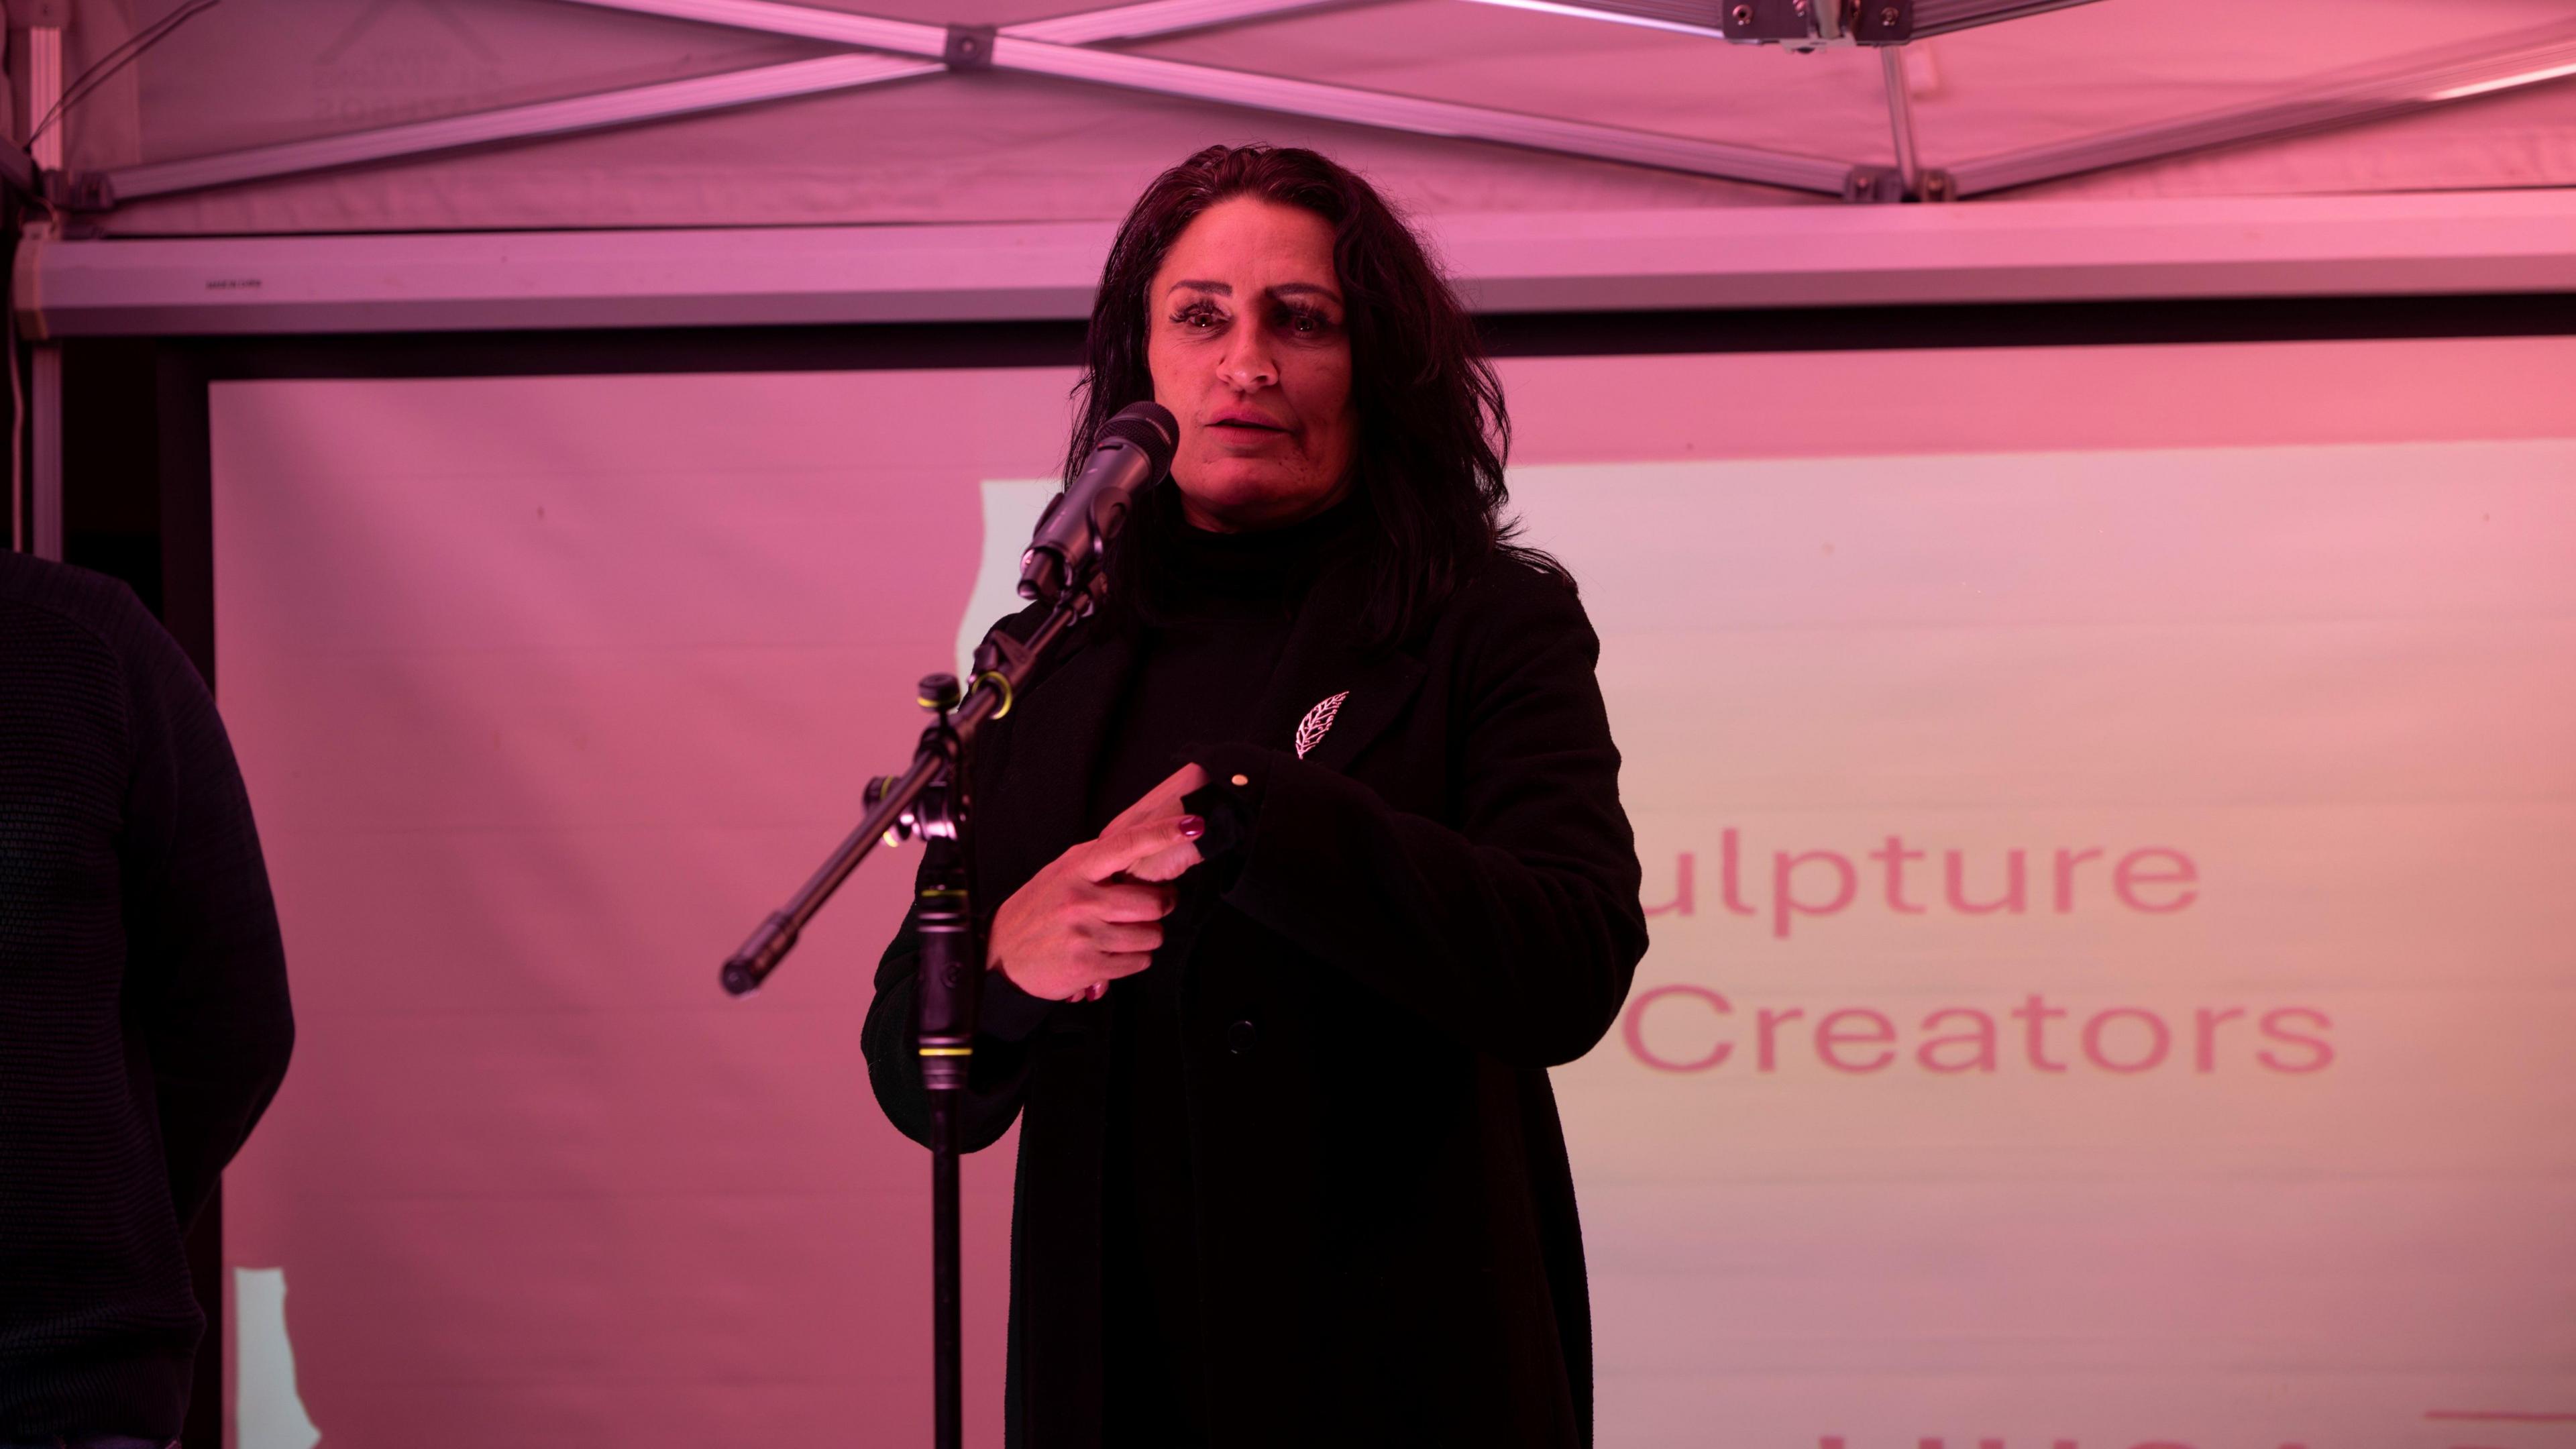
(1193, 827)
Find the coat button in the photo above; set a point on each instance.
(1239, 1037)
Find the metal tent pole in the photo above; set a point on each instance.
(1060, 47)
(1016, 48)
(43, 399)
(635, 104)
(1153, 19)
(1900, 120)
(45, 451)
(1940, 17)
(1423, 117)
(512, 123)
(2344, 98)
(1799, 24)
(45, 91)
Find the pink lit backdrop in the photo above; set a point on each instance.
(548, 688)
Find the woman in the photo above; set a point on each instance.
(1276, 1022)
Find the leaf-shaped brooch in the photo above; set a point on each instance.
(1318, 722)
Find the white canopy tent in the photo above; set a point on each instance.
(413, 165)
(562, 114)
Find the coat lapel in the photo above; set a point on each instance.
(1324, 658)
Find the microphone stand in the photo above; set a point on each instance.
(929, 801)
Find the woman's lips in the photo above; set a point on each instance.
(1248, 438)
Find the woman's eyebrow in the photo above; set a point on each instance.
(1284, 289)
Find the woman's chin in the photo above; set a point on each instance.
(1250, 498)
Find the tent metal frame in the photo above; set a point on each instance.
(39, 407)
(1069, 47)
(1800, 24)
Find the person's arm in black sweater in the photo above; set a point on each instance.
(205, 977)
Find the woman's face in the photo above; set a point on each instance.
(1245, 340)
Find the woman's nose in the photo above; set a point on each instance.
(1248, 366)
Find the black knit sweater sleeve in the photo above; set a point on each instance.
(205, 970)
(143, 1012)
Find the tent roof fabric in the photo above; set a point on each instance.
(991, 147)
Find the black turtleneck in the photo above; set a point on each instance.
(1216, 620)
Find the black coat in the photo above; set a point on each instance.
(1434, 906)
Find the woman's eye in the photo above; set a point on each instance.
(1197, 316)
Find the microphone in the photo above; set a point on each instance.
(1134, 451)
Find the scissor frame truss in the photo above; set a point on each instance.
(1074, 47)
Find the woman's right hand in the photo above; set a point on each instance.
(1082, 922)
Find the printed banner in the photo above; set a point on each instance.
(2112, 978)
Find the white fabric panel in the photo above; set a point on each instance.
(546, 689)
(1000, 147)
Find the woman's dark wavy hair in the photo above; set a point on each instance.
(1427, 457)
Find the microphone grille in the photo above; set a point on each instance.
(1149, 426)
